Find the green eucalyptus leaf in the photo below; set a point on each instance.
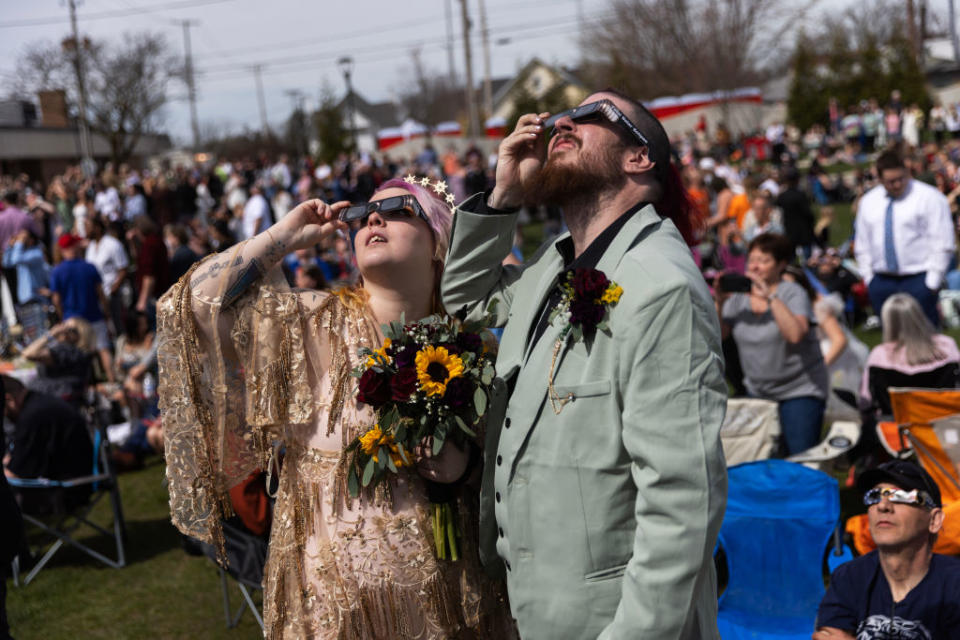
(480, 401)
(353, 483)
(368, 472)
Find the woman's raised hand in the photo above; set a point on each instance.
(312, 221)
(520, 158)
(760, 287)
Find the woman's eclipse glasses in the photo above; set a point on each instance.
(393, 207)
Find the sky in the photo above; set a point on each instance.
(298, 43)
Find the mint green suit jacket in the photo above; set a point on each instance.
(605, 516)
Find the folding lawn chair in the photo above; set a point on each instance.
(64, 517)
(750, 431)
(925, 423)
(246, 556)
(780, 518)
(844, 419)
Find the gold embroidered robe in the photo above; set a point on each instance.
(271, 371)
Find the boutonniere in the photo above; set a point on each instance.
(587, 298)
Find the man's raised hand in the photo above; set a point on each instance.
(520, 158)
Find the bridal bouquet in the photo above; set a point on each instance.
(428, 382)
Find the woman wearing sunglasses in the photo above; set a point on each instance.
(249, 367)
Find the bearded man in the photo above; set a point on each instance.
(604, 483)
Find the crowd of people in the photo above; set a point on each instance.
(97, 270)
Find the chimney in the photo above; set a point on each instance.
(53, 108)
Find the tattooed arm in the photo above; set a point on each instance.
(308, 224)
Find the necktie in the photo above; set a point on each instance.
(889, 248)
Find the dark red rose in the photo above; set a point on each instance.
(589, 284)
(405, 357)
(451, 347)
(587, 314)
(374, 388)
(403, 384)
(459, 393)
(470, 342)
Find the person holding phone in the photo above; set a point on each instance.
(772, 324)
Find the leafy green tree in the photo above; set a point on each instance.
(806, 103)
(854, 59)
(333, 136)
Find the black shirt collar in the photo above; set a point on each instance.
(592, 254)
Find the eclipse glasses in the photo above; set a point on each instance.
(916, 498)
(599, 111)
(393, 207)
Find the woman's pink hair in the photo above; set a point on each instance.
(438, 213)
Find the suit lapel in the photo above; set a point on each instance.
(532, 382)
(545, 283)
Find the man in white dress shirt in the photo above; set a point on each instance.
(904, 237)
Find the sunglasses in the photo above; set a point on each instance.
(916, 498)
(602, 110)
(393, 207)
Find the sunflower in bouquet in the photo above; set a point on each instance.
(428, 383)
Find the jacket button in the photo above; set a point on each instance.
(499, 460)
(500, 531)
(498, 496)
(506, 423)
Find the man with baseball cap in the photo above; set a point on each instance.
(902, 589)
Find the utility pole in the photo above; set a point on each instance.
(189, 79)
(953, 32)
(912, 30)
(346, 67)
(449, 16)
(299, 118)
(485, 36)
(257, 68)
(86, 144)
(474, 128)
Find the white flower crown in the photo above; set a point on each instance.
(439, 187)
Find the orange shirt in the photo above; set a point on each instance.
(739, 205)
(701, 199)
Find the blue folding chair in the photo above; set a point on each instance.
(68, 516)
(780, 518)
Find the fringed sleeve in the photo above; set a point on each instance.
(230, 379)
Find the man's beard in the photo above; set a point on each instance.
(561, 182)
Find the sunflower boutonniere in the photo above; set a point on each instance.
(587, 298)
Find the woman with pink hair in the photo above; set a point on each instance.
(249, 367)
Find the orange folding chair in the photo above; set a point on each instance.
(920, 417)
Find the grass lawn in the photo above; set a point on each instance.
(164, 593)
(161, 593)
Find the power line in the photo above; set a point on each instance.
(286, 45)
(379, 55)
(105, 15)
(546, 28)
(232, 53)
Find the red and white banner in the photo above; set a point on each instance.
(670, 106)
(664, 108)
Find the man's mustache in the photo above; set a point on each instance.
(567, 137)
